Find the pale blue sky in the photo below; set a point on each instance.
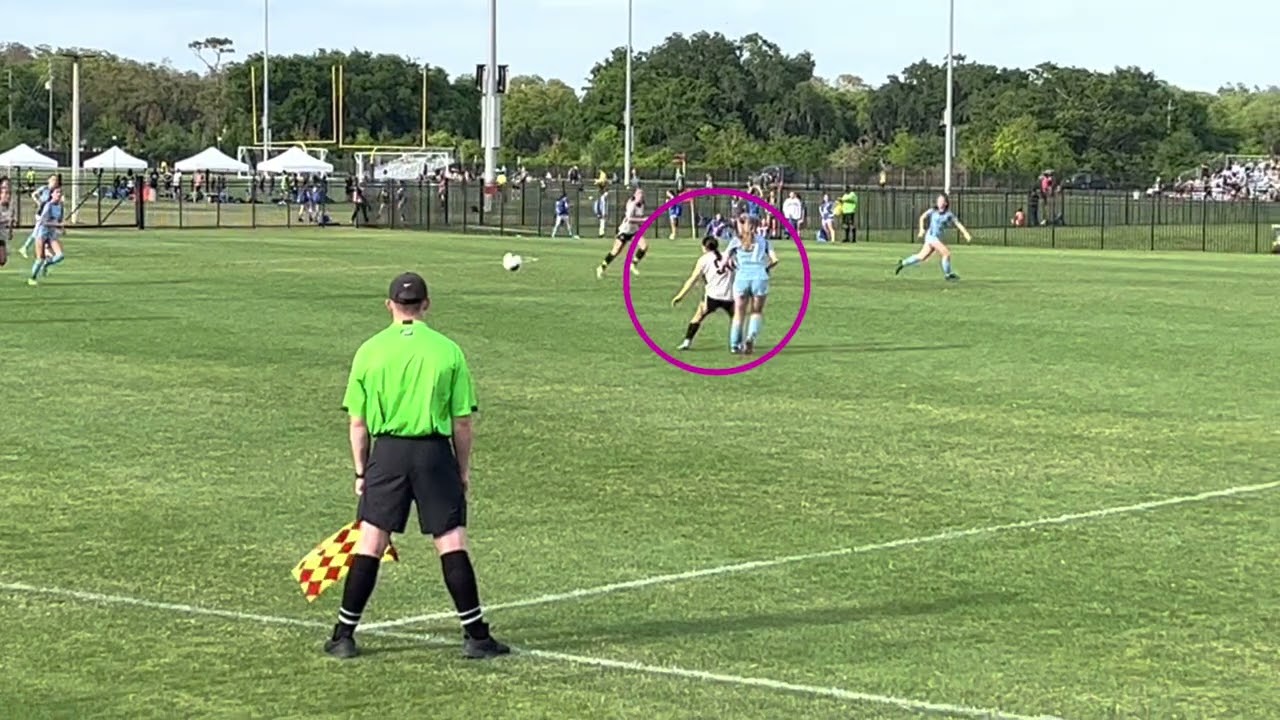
(1192, 44)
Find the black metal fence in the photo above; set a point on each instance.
(1071, 219)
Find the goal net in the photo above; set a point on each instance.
(402, 164)
(251, 155)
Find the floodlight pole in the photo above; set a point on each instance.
(75, 131)
(626, 104)
(491, 117)
(949, 116)
(266, 78)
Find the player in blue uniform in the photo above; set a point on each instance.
(827, 212)
(562, 215)
(49, 247)
(673, 214)
(41, 198)
(717, 228)
(752, 256)
(933, 223)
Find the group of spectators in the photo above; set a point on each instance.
(1235, 180)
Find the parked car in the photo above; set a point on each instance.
(1086, 181)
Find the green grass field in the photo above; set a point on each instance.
(1046, 490)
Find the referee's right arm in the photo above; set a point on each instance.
(462, 405)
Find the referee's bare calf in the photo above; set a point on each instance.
(411, 392)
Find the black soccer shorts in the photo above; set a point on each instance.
(419, 471)
(714, 305)
(626, 238)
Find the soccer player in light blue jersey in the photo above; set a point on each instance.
(41, 198)
(49, 247)
(827, 212)
(752, 256)
(933, 223)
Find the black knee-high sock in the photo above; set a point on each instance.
(640, 255)
(361, 579)
(460, 579)
(607, 259)
(691, 331)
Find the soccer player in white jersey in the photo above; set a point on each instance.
(633, 217)
(717, 280)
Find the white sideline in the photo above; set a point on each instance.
(858, 550)
(602, 663)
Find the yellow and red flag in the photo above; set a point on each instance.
(331, 559)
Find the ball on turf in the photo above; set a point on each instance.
(512, 262)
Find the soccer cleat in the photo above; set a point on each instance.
(899, 268)
(952, 277)
(749, 346)
(23, 252)
(32, 282)
(684, 345)
(635, 270)
(599, 272)
(473, 649)
(343, 648)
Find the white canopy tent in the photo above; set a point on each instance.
(294, 160)
(211, 160)
(23, 156)
(115, 159)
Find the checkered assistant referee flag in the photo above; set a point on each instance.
(331, 559)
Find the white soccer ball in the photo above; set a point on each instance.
(512, 262)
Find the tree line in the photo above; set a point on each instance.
(726, 104)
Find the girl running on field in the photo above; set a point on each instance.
(49, 246)
(717, 280)
(827, 212)
(673, 215)
(933, 223)
(633, 216)
(752, 257)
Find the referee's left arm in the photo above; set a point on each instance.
(462, 405)
(354, 401)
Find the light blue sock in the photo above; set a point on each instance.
(31, 239)
(946, 266)
(908, 262)
(753, 327)
(55, 260)
(735, 334)
(36, 267)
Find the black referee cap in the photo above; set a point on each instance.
(408, 289)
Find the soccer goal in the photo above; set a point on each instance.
(402, 164)
(251, 155)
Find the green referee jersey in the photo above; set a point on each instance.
(409, 380)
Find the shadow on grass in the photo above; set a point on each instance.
(867, 348)
(87, 320)
(782, 620)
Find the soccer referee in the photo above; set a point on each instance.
(410, 391)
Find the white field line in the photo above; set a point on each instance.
(582, 660)
(858, 550)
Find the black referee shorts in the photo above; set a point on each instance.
(421, 471)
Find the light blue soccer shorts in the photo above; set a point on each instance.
(753, 287)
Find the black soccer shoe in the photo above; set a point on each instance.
(473, 649)
(899, 268)
(343, 648)
(952, 277)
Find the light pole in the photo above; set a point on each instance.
(491, 117)
(626, 105)
(75, 131)
(948, 117)
(266, 78)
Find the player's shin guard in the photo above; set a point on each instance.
(946, 266)
(460, 579)
(56, 259)
(36, 267)
(361, 579)
(607, 259)
(753, 326)
(735, 334)
(640, 253)
(691, 331)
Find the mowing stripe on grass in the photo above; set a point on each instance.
(602, 663)
(858, 550)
